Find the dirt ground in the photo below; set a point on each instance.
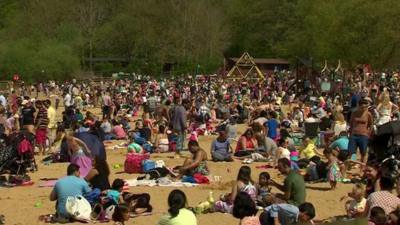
(23, 205)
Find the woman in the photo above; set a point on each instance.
(161, 143)
(245, 209)
(340, 124)
(221, 148)
(385, 109)
(79, 154)
(372, 175)
(177, 212)
(246, 144)
(197, 164)
(243, 183)
(98, 175)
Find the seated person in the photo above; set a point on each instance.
(197, 164)
(161, 143)
(106, 126)
(70, 186)
(221, 149)
(246, 144)
(145, 131)
(309, 152)
(118, 131)
(356, 207)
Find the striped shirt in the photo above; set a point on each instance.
(41, 119)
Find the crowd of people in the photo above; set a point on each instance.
(306, 132)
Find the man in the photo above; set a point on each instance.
(152, 104)
(361, 126)
(70, 186)
(178, 122)
(281, 213)
(52, 117)
(41, 122)
(196, 164)
(293, 186)
(383, 198)
(107, 104)
(67, 100)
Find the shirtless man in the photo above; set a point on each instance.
(196, 164)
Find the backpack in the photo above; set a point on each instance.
(133, 162)
(24, 146)
(148, 165)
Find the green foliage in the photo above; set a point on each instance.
(57, 35)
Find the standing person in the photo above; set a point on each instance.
(68, 101)
(69, 186)
(52, 118)
(178, 122)
(272, 126)
(98, 176)
(385, 109)
(41, 123)
(177, 212)
(293, 186)
(107, 104)
(152, 105)
(361, 123)
(3, 100)
(27, 114)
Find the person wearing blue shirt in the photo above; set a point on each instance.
(341, 143)
(70, 186)
(272, 126)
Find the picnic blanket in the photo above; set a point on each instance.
(160, 182)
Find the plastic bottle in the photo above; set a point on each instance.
(211, 198)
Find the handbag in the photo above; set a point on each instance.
(79, 208)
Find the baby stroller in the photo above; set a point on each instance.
(23, 145)
(7, 156)
(386, 142)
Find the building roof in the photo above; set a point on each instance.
(265, 61)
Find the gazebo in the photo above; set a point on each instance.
(245, 69)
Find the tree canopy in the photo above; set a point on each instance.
(52, 39)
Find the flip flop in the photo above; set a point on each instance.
(133, 215)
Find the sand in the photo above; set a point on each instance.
(18, 203)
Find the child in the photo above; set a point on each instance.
(306, 213)
(355, 208)
(393, 217)
(121, 214)
(139, 204)
(262, 188)
(114, 194)
(377, 216)
(294, 157)
(334, 174)
(79, 154)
